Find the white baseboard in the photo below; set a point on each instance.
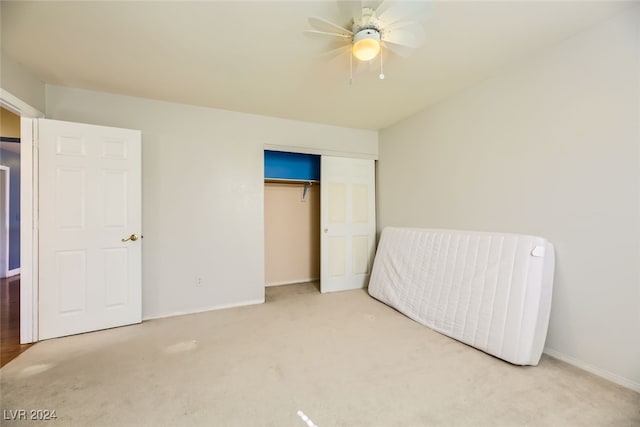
(291, 282)
(9, 273)
(202, 310)
(625, 382)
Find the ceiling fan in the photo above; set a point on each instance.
(374, 25)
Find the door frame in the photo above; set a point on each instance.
(28, 207)
(5, 172)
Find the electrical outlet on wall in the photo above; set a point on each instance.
(198, 281)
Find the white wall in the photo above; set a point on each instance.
(21, 83)
(203, 189)
(547, 147)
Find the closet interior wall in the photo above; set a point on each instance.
(292, 232)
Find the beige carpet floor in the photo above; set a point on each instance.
(344, 359)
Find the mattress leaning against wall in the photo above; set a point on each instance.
(489, 290)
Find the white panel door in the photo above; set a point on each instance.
(90, 204)
(348, 222)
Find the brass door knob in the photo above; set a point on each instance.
(133, 238)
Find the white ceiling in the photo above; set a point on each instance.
(253, 56)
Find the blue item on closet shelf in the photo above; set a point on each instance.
(294, 166)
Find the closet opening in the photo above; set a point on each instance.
(292, 219)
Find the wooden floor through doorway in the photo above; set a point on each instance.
(10, 346)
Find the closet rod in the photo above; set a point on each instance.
(293, 181)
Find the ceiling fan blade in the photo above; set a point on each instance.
(333, 53)
(409, 35)
(324, 35)
(333, 60)
(400, 50)
(392, 11)
(325, 26)
(404, 24)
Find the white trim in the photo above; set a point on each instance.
(615, 378)
(28, 214)
(28, 234)
(13, 272)
(4, 222)
(17, 106)
(202, 310)
(319, 151)
(35, 235)
(291, 282)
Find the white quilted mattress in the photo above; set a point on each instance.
(489, 290)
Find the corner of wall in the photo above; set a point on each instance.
(21, 82)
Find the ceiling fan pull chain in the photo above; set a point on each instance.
(381, 69)
(350, 69)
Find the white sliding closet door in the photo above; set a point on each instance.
(347, 194)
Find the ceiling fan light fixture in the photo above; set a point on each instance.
(366, 44)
